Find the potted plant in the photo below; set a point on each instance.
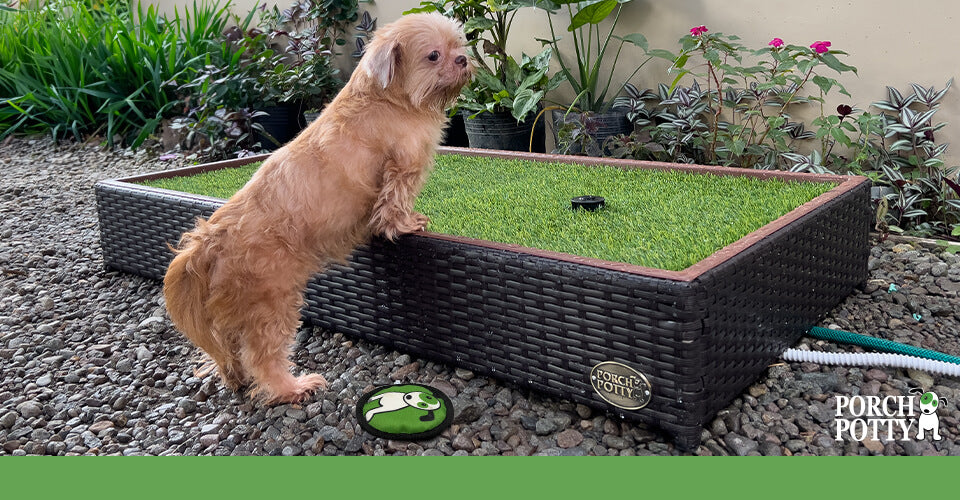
(218, 116)
(297, 72)
(501, 112)
(584, 124)
(500, 105)
(257, 80)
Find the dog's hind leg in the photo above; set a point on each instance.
(265, 352)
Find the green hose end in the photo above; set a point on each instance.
(882, 345)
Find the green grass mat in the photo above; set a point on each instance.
(221, 183)
(664, 220)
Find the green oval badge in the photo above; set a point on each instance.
(408, 412)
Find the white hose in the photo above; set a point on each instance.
(873, 359)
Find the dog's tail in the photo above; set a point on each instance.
(186, 289)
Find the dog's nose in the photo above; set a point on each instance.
(461, 61)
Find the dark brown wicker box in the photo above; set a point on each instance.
(543, 320)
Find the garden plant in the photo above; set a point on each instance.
(108, 74)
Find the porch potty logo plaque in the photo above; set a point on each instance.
(891, 418)
(620, 385)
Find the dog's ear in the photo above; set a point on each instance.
(382, 57)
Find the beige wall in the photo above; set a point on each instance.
(890, 42)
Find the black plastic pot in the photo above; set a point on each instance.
(501, 131)
(456, 134)
(309, 118)
(598, 126)
(282, 123)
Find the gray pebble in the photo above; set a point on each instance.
(8, 420)
(124, 366)
(187, 405)
(144, 354)
(333, 435)
(939, 269)
(29, 409)
(47, 304)
(153, 324)
(464, 443)
(739, 445)
(769, 449)
(546, 426)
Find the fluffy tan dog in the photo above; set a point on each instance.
(236, 284)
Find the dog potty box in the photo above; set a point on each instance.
(669, 348)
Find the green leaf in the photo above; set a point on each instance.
(933, 163)
(542, 60)
(525, 102)
(424, 7)
(681, 61)
(512, 71)
(555, 81)
(486, 79)
(833, 63)
(478, 24)
(662, 54)
(840, 137)
(824, 83)
(712, 56)
(532, 79)
(738, 146)
(592, 14)
(636, 39)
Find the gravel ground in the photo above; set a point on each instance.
(91, 365)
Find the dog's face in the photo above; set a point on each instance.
(420, 57)
(929, 403)
(422, 401)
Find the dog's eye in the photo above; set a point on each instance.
(434, 56)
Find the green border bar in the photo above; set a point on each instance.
(470, 477)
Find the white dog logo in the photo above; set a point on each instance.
(393, 401)
(929, 421)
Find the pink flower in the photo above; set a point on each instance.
(698, 30)
(776, 43)
(820, 47)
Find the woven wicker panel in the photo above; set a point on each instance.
(137, 225)
(763, 300)
(536, 322)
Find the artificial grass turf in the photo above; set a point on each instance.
(660, 219)
(222, 183)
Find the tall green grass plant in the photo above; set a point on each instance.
(69, 67)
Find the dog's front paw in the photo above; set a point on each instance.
(420, 221)
(411, 224)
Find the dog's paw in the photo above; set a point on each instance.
(305, 386)
(292, 390)
(420, 221)
(411, 224)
